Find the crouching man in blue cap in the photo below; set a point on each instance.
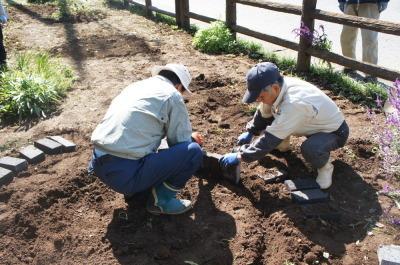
(125, 155)
(290, 106)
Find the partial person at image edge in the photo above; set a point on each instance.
(348, 37)
(3, 21)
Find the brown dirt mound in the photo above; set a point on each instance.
(99, 47)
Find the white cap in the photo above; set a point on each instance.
(179, 69)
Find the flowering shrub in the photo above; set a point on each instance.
(389, 135)
(388, 139)
(317, 38)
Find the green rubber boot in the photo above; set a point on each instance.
(163, 201)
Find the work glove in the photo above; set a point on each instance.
(230, 159)
(3, 19)
(245, 138)
(342, 6)
(382, 6)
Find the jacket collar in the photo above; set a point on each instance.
(282, 93)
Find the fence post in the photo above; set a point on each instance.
(182, 13)
(178, 13)
(230, 15)
(304, 59)
(185, 14)
(149, 13)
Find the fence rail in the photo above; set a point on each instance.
(309, 14)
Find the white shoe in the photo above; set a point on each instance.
(324, 178)
(284, 146)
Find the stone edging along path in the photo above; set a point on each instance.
(32, 154)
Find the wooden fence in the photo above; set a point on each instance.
(309, 14)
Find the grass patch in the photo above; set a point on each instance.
(32, 87)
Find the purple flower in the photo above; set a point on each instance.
(304, 32)
(378, 102)
(395, 221)
(397, 83)
(385, 189)
(317, 38)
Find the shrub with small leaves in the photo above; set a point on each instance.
(388, 134)
(215, 39)
(218, 39)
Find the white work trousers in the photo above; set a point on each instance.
(348, 37)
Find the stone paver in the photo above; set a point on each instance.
(309, 196)
(389, 255)
(13, 164)
(6, 176)
(32, 154)
(301, 184)
(68, 146)
(48, 146)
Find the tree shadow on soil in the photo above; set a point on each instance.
(352, 211)
(33, 14)
(69, 28)
(200, 236)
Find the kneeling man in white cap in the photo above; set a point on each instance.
(125, 155)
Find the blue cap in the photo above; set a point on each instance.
(258, 78)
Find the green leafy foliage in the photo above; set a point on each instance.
(218, 39)
(215, 39)
(33, 86)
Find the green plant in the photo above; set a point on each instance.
(364, 93)
(215, 39)
(33, 86)
(218, 39)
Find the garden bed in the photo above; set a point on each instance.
(55, 213)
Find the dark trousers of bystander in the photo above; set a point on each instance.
(2, 49)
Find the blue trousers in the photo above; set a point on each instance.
(317, 148)
(175, 165)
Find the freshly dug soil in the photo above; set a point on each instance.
(57, 214)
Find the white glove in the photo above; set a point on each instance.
(382, 6)
(342, 6)
(3, 19)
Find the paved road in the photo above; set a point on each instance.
(280, 24)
